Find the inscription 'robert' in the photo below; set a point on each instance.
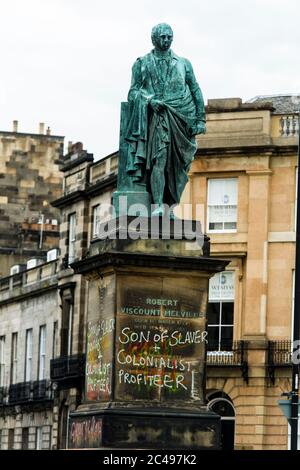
(164, 302)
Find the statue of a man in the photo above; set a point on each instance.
(166, 112)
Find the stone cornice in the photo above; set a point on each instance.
(247, 150)
(121, 259)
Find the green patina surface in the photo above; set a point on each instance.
(165, 111)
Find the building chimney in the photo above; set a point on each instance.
(42, 128)
(70, 144)
(48, 132)
(15, 126)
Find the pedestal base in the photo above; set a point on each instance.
(132, 203)
(153, 428)
(146, 339)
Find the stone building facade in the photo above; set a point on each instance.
(29, 339)
(29, 181)
(242, 186)
(245, 177)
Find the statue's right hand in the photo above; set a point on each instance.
(157, 105)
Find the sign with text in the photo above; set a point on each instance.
(160, 338)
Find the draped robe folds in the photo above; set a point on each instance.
(170, 132)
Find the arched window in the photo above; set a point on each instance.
(220, 403)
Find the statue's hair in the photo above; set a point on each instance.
(156, 31)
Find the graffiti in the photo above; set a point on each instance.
(176, 337)
(99, 359)
(155, 359)
(85, 433)
(156, 380)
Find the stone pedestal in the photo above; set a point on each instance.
(146, 342)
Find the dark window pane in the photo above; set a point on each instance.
(213, 338)
(213, 313)
(230, 225)
(227, 313)
(223, 408)
(215, 226)
(25, 433)
(226, 338)
(11, 438)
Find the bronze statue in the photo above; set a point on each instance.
(166, 112)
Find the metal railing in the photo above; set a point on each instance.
(279, 354)
(67, 367)
(229, 353)
(24, 392)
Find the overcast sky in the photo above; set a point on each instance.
(68, 62)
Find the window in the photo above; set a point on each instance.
(96, 220)
(0, 439)
(2, 360)
(14, 358)
(67, 327)
(25, 438)
(42, 352)
(222, 205)
(39, 438)
(55, 338)
(220, 312)
(72, 238)
(28, 356)
(11, 438)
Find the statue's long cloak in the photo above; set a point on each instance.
(151, 135)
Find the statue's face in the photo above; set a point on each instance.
(164, 39)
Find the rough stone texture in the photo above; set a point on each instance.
(29, 181)
(27, 302)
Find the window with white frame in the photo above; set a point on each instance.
(96, 220)
(14, 358)
(220, 312)
(28, 356)
(39, 438)
(2, 360)
(222, 205)
(42, 352)
(72, 238)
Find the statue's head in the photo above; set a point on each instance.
(162, 36)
